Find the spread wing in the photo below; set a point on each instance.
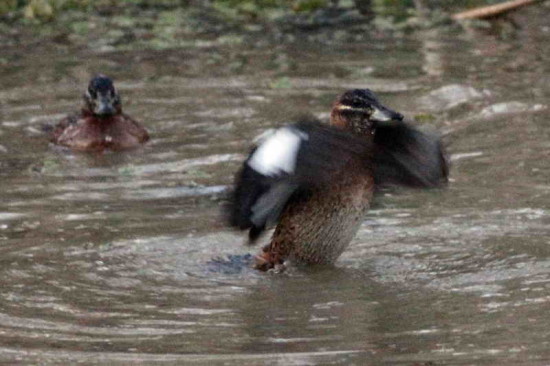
(406, 156)
(288, 161)
(293, 159)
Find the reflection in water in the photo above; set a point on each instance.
(110, 258)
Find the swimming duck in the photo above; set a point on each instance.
(100, 124)
(316, 181)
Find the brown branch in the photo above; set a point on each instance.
(492, 10)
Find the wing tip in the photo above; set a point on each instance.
(410, 157)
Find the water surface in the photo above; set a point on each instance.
(107, 258)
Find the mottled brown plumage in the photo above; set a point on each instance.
(316, 181)
(318, 228)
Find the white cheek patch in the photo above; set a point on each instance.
(89, 97)
(278, 152)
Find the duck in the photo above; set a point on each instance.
(101, 124)
(314, 182)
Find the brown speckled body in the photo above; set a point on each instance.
(317, 229)
(87, 132)
(333, 181)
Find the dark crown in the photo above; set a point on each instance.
(100, 84)
(358, 98)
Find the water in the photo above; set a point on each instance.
(109, 259)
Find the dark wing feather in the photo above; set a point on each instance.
(409, 157)
(327, 150)
(258, 199)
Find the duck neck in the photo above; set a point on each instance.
(86, 112)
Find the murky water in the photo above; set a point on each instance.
(108, 258)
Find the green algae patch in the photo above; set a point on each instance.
(281, 83)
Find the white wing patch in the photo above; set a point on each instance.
(278, 152)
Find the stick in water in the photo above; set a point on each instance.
(492, 10)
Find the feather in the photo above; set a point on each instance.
(291, 160)
(407, 156)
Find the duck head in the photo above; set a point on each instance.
(359, 110)
(101, 97)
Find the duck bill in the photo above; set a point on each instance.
(383, 114)
(104, 107)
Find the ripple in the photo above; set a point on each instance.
(295, 358)
(8, 216)
(160, 193)
(123, 257)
